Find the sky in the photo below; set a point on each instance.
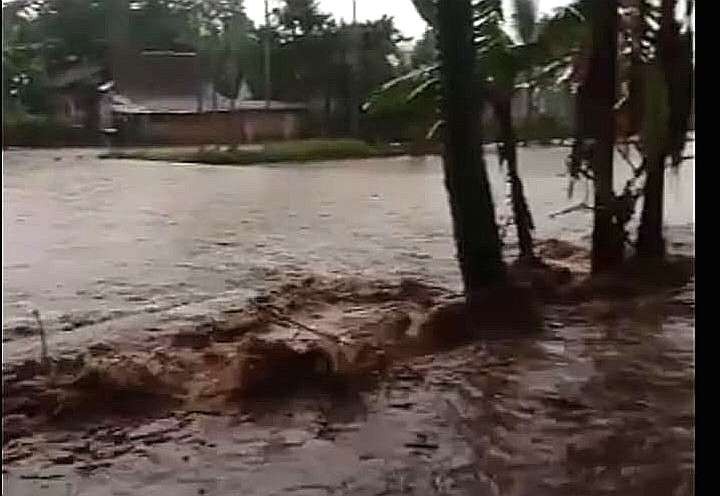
(406, 18)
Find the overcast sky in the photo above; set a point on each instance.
(403, 11)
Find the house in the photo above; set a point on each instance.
(164, 97)
(75, 101)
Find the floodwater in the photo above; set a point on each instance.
(84, 234)
(600, 404)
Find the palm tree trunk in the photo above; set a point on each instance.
(471, 205)
(607, 239)
(651, 243)
(521, 212)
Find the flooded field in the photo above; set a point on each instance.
(600, 403)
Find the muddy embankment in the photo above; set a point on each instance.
(311, 329)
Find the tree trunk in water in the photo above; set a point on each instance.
(607, 239)
(521, 211)
(676, 58)
(471, 205)
(326, 113)
(651, 243)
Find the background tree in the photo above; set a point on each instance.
(303, 17)
(24, 69)
(425, 50)
(233, 55)
(330, 65)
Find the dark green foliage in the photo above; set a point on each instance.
(331, 66)
(46, 37)
(40, 131)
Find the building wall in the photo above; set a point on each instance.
(79, 107)
(69, 110)
(245, 126)
(105, 118)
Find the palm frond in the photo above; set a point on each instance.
(427, 10)
(432, 132)
(429, 85)
(415, 88)
(414, 75)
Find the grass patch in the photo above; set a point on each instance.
(285, 151)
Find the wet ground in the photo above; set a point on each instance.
(600, 403)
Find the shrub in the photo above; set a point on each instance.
(39, 130)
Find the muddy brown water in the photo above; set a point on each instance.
(83, 234)
(601, 403)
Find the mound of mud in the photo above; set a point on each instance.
(546, 280)
(502, 312)
(306, 331)
(311, 330)
(558, 252)
(563, 275)
(635, 279)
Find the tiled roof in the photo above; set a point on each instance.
(76, 74)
